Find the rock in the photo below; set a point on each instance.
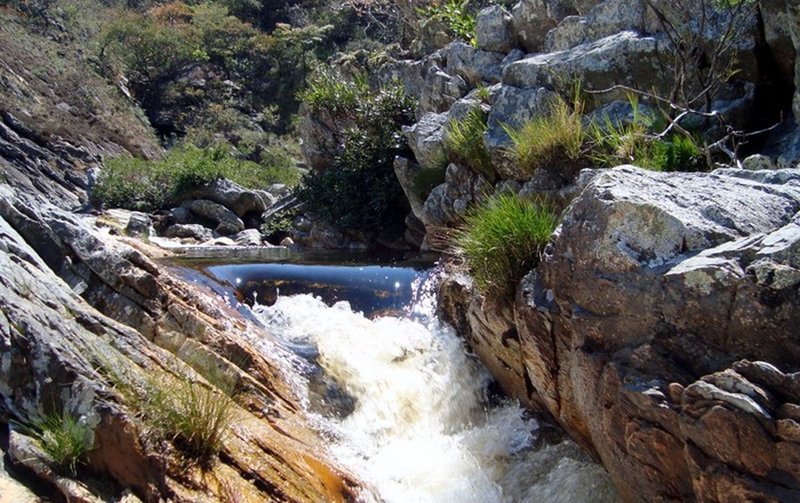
(188, 231)
(181, 215)
(634, 328)
(440, 91)
(623, 58)
(139, 225)
(227, 222)
(473, 65)
(287, 242)
(236, 198)
(248, 237)
(425, 139)
(407, 172)
(318, 140)
(431, 36)
(532, 19)
(493, 29)
(604, 19)
(448, 202)
(782, 32)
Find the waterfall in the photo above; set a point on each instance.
(410, 411)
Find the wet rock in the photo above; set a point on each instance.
(139, 225)
(226, 221)
(493, 29)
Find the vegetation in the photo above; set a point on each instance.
(551, 141)
(455, 14)
(193, 416)
(360, 191)
(145, 185)
(464, 143)
(502, 240)
(61, 436)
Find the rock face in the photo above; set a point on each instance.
(645, 328)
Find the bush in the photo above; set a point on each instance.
(143, 185)
(464, 143)
(62, 437)
(193, 416)
(360, 191)
(456, 15)
(552, 141)
(502, 240)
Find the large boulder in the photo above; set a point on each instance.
(225, 220)
(473, 65)
(493, 30)
(640, 328)
(233, 196)
(440, 91)
(425, 139)
(532, 19)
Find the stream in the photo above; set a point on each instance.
(402, 402)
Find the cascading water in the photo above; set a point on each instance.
(410, 412)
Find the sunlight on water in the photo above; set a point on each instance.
(421, 428)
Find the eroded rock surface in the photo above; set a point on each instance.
(661, 330)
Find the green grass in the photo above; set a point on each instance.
(464, 143)
(552, 141)
(62, 437)
(502, 240)
(194, 417)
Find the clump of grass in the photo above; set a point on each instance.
(191, 415)
(61, 436)
(502, 240)
(551, 141)
(464, 143)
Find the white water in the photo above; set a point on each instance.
(421, 429)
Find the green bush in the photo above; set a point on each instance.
(464, 143)
(551, 141)
(502, 240)
(62, 437)
(144, 185)
(360, 191)
(457, 16)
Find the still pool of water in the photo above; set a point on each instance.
(404, 404)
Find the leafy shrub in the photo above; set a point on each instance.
(456, 15)
(144, 185)
(62, 437)
(191, 415)
(502, 240)
(464, 142)
(552, 141)
(360, 191)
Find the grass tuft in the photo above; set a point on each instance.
(503, 239)
(554, 141)
(62, 437)
(464, 143)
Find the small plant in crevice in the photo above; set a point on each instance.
(553, 141)
(193, 416)
(464, 143)
(501, 241)
(62, 436)
(455, 14)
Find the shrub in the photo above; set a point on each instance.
(456, 15)
(502, 240)
(360, 191)
(62, 437)
(464, 143)
(552, 141)
(144, 185)
(193, 416)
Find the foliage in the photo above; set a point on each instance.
(360, 191)
(145, 185)
(633, 142)
(550, 141)
(464, 142)
(456, 15)
(190, 414)
(62, 436)
(502, 240)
